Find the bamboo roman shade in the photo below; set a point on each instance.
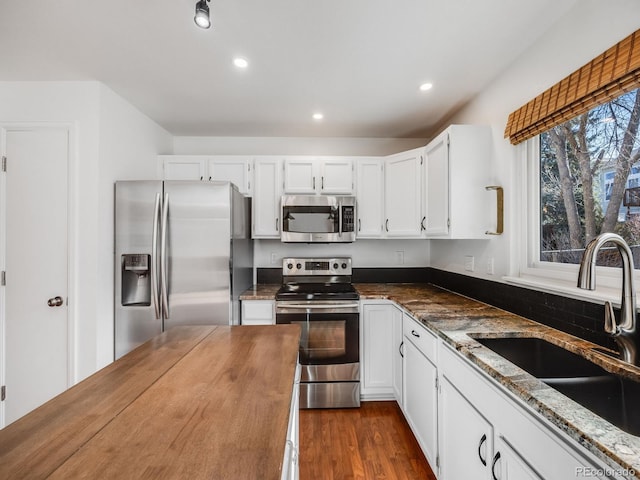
(606, 77)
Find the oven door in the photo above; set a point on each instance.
(330, 340)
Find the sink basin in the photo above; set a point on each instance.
(606, 394)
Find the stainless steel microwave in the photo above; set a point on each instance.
(318, 218)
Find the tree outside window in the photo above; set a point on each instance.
(590, 181)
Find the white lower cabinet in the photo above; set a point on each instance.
(465, 436)
(420, 395)
(378, 351)
(258, 312)
(398, 355)
(290, 463)
(518, 445)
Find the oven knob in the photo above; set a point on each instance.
(344, 265)
(335, 266)
(298, 266)
(289, 266)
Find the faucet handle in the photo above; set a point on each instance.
(610, 319)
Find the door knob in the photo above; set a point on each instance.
(55, 302)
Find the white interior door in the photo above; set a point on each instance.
(36, 334)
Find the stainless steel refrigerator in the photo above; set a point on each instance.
(183, 255)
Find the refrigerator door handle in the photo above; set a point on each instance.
(154, 258)
(163, 257)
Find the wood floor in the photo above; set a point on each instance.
(370, 442)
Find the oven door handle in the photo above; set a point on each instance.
(307, 306)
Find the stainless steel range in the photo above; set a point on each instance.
(317, 294)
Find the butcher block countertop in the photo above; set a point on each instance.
(199, 402)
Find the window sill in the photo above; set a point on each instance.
(568, 288)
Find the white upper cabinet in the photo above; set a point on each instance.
(182, 167)
(336, 176)
(233, 168)
(267, 190)
(230, 168)
(300, 175)
(403, 194)
(370, 197)
(318, 175)
(457, 172)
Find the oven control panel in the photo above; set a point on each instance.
(316, 266)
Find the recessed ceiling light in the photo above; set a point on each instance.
(240, 62)
(318, 116)
(426, 86)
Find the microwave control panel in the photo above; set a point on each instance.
(348, 219)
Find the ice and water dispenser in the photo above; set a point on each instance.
(136, 280)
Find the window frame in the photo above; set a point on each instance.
(529, 271)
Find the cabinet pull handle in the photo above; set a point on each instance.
(277, 224)
(209, 177)
(322, 183)
(359, 225)
(400, 349)
(482, 440)
(386, 224)
(422, 227)
(201, 177)
(314, 183)
(493, 466)
(499, 210)
(415, 334)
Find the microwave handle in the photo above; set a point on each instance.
(340, 219)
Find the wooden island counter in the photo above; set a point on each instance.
(194, 402)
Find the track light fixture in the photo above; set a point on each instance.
(202, 14)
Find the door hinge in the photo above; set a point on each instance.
(3, 393)
(4, 164)
(436, 383)
(437, 461)
(448, 222)
(421, 159)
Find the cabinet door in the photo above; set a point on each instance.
(377, 351)
(421, 400)
(234, 169)
(370, 197)
(398, 347)
(300, 175)
(184, 167)
(508, 464)
(465, 437)
(336, 176)
(267, 190)
(403, 195)
(258, 312)
(437, 187)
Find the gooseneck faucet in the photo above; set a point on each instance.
(625, 332)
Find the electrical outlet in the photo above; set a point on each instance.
(400, 257)
(469, 262)
(490, 266)
(274, 259)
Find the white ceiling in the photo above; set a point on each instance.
(360, 62)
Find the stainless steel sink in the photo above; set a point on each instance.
(606, 394)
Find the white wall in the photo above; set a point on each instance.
(110, 139)
(584, 32)
(129, 145)
(293, 145)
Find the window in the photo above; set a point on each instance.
(589, 181)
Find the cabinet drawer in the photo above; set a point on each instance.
(421, 337)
